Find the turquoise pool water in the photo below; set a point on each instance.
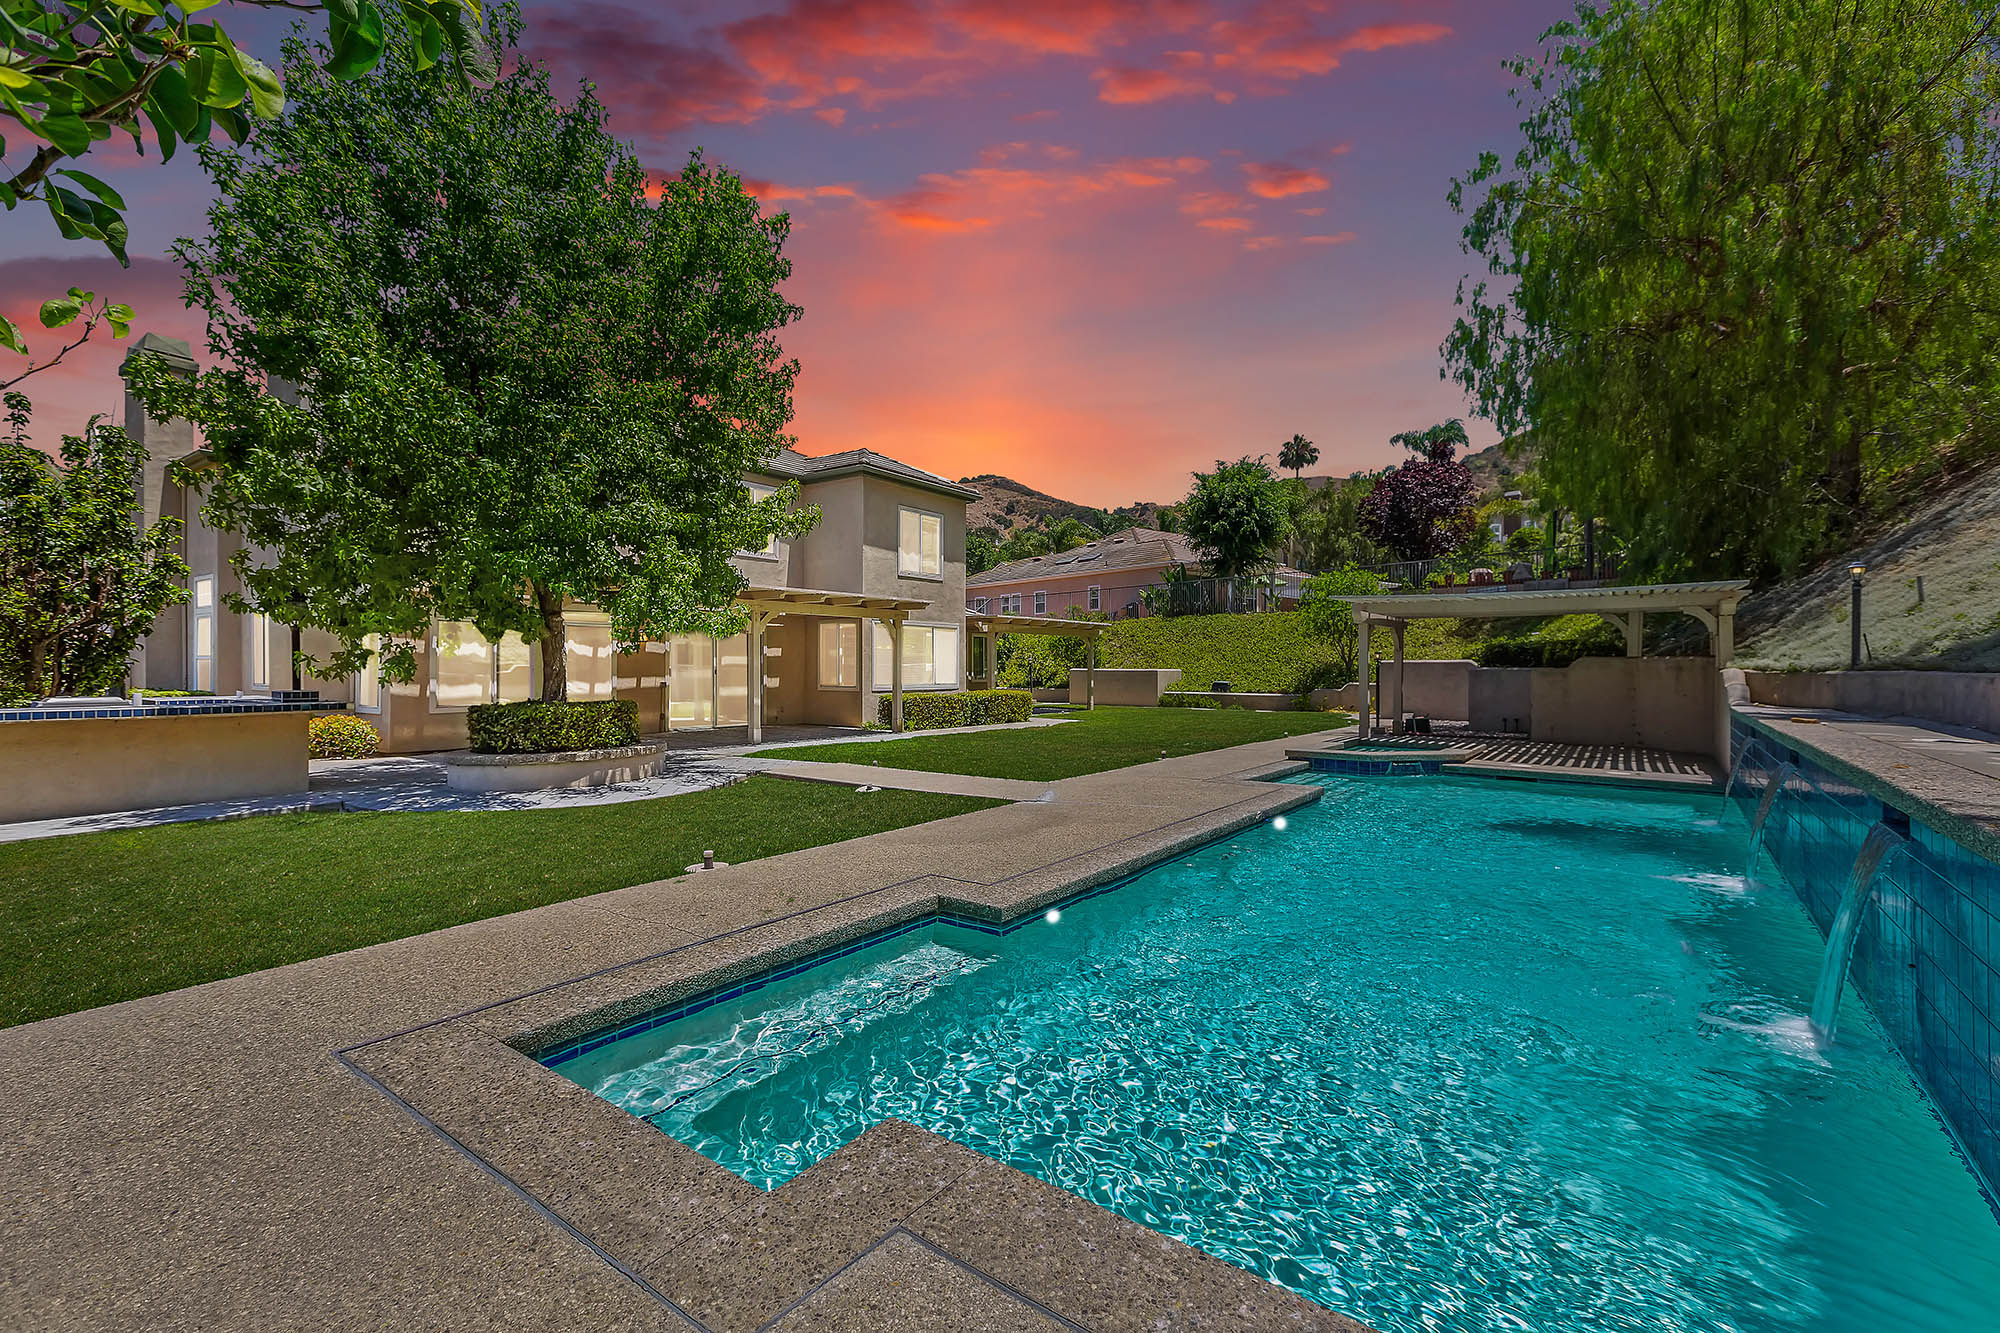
(1441, 1053)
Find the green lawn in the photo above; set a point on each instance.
(1092, 742)
(99, 917)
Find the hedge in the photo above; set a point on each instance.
(1556, 645)
(540, 728)
(1266, 652)
(1178, 699)
(341, 736)
(960, 708)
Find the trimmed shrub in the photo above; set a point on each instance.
(960, 708)
(340, 736)
(1558, 646)
(1181, 699)
(1267, 652)
(537, 727)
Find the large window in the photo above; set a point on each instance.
(368, 680)
(466, 669)
(839, 654)
(202, 628)
(920, 550)
(260, 651)
(930, 657)
(592, 661)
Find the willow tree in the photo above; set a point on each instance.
(1744, 268)
(470, 370)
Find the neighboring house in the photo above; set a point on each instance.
(1104, 577)
(889, 546)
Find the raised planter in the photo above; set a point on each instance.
(475, 773)
(1123, 687)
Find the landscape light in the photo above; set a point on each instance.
(1854, 573)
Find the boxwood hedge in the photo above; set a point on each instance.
(1268, 652)
(960, 708)
(540, 728)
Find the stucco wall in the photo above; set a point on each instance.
(1662, 703)
(49, 770)
(1123, 687)
(1961, 698)
(1438, 689)
(1499, 698)
(1117, 588)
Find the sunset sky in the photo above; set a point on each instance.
(1089, 244)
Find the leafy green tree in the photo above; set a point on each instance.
(1068, 534)
(1330, 533)
(1297, 454)
(1235, 516)
(1023, 543)
(1330, 620)
(74, 72)
(981, 551)
(1745, 269)
(80, 582)
(514, 380)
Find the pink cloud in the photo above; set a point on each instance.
(835, 116)
(1126, 85)
(1337, 238)
(1280, 180)
(1225, 224)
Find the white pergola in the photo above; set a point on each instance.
(979, 625)
(767, 605)
(1713, 604)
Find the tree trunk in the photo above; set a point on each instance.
(555, 644)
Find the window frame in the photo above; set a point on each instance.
(1041, 602)
(492, 669)
(1095, 593)
(260, 651)
(819, 654)
(373, 671)
(957, 682)
(920, 572)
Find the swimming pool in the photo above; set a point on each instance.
(1437, 1052)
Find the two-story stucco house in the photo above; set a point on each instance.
(887, 555)
(1104, 577)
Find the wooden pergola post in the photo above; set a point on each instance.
(1363, 632)
(1090, 673)
(895, 675)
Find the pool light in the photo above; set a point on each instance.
(1279, 823)
(1052, 916)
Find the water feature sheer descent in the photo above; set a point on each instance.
(1765, 804)
(1881, 840)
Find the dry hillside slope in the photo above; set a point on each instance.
(1930, 598)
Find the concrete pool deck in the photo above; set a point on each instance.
(358, 1141)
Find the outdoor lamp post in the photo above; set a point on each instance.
(1854, 573)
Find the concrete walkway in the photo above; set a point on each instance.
(204, 1160)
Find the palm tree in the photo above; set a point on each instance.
(1070, 533)
(1298, 454)
(1439, 444)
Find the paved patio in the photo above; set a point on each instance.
(203, 1159)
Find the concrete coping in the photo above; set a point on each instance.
(472, 759)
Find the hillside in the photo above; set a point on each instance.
(1005, 505)
(1930, 597)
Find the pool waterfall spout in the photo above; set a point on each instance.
(1765, 805)
(1846, 925)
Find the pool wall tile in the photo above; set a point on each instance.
(1927, 956)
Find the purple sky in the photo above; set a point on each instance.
(1090, 244)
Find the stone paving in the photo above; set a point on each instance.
(207, 1159)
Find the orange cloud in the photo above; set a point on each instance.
(1263, 242)
(832, 115)
(1225, 224)
(1337, 238)
(1207, 203)
(1280, 180)
(1128, 86)
(1282, 43)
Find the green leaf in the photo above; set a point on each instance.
(176, 102)
(60, 311)
(95, 186)
(475, 58)
(118, 312)
(214, 78)
(345, 11)
(426, 38)
(357, 45)
(65, 131)
(10, 336)
(195, 6)
(233, 122)
(162, 130)
(267, 94)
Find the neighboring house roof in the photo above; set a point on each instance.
(792, 463)
(1134, 548)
